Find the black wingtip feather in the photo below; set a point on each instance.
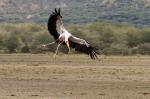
(52, 23)
(92, 52)
(56, 10)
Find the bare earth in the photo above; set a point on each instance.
(40, 76)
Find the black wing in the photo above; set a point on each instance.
(84, 49)
(55, 23)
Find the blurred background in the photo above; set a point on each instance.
(115, 27)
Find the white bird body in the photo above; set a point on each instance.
(62, 36)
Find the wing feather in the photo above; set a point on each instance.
(55, 24)
(83, 48)
(55, 27)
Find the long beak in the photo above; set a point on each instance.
(68, 45)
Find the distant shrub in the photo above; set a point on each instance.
(12, 44)
(109, 38)
(25, 49)
(143, 49)
(133, 39)
(146, 35)
(118, 49)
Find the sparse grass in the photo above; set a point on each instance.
(74, 76)
(116, 67)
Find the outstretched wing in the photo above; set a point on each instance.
(82, 46)
(55, 24)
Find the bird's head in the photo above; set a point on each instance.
(57, 13)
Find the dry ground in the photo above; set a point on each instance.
(40, 76)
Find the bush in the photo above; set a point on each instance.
(109, 38)
(143, 49)
(146, 35)
(25, 49)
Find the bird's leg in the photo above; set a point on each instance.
(57, 49)
(68, 45)
(45, 45)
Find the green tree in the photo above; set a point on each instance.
(12, 44)
(132, 39)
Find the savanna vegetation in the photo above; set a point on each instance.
(76, 11)
(109, 38)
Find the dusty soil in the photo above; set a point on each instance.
(40, 76)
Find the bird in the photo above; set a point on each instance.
(63, 37)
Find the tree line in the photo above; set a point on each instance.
(108, 38)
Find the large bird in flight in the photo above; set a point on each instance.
(62, 36)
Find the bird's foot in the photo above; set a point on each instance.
(43, 45)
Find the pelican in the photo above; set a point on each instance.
(63, 37)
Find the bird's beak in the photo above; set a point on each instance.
(68, 45)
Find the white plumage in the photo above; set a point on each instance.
(62, 36)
